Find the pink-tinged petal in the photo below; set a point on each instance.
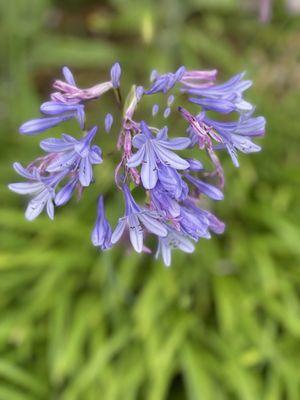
(176, 144)
(137, 158)
(85, 172)
(167, 157)
(135, 233)
(119, 230)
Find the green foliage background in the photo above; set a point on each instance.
(223, 323)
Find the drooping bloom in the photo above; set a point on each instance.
(154, 150)
(135, 219)
(75, 155)
(41, 188)
(172, 182)
(174, 240)
(193, 225)
(223, 98)
(238, 135)
(205, 188)
(101, 234)
(162, 201)
(209, 219)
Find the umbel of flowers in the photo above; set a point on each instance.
(174, 186)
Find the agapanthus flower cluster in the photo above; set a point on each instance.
(158, 159)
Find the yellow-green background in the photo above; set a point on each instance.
(223, 323)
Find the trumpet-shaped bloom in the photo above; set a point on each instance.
(238, 135)
(135, 219)
(75, 155)
(154, 150)
(42, 190)
(223, 98)
(173, 240)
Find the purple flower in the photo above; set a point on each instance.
(198, 131)
(115, 74)
(213, 223)
(223, 98)
(172, 182)
(193, 224)
(155, 150)
(164, 83)
(174, 240)
(205, 188)
(70, 93)
(101, 234)
(38, 125)
(41, 188)
(173, 186)
(163, 202)
(108, 122)
(238, 135)
(135, 218)
(58, 109)
(74, 155)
